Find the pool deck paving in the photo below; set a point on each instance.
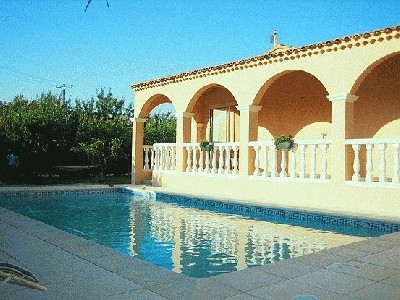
(71, 267)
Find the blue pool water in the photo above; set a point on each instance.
(197, 237)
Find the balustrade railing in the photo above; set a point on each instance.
(308, 159)
(162, 157)
(222, 160)
(376, 160)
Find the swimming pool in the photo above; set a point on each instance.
(194, 236)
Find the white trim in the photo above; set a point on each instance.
(342, 97)
(251, 108)
(372, 141)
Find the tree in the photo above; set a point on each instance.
(104, 132)
(42, 130)
(160, 128)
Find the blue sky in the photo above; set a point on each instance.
(45, 43)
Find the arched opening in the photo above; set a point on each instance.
(160, 125)
(293, 103)
(378, 103)
(377, 116)
(215, 115)
(154, 102)
(156, 123)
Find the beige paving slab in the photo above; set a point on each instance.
(144, 294)
(346, 252)
(389, 258)
(288, 268)
(249, 279)
(334, 282)
(290, 289)
(192, 288)
(377, 291)
(243, 296)
(393, 280)
(364, 270)
(319, 259)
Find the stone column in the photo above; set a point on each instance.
(137, 150)
(248, 132)
(183, 135)
(342, 129)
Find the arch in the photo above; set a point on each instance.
(151, 103)
(378, 91)
(369, 70)
(203, 91)
(290, 101)
(211, 98)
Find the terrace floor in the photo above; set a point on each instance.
(74, 268)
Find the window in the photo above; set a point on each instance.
(223, 121)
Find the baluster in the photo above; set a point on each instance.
(265, 172)
(292, 163)
(201, 155)
(173, 157)
(324, 163)
(189, 159)
(221, 160)
(302, 170)
(207, 154)
(356, 163)
(163, 157)
(235, 160)
(313, 160)
(382, 163)
(256, 161)
(156, 158)
(153, 158)
(274, 163)
(194, 159)
(146, 158)
(169, 158)
(369, 163)
(227, 159)
(396, 164)
(214, 160)
(283, 164)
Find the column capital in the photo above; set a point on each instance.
(250, 108)
(343, 97)
(139, 120)
(184, 114)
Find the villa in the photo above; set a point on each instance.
(339, 100)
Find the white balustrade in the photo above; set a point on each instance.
(162, 157)
(376, 160)
(307, 160)
(222, 160)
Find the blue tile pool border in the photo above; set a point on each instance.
(281, 214)
(275, 214)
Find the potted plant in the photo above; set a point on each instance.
(206, 146)
(284, 142)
